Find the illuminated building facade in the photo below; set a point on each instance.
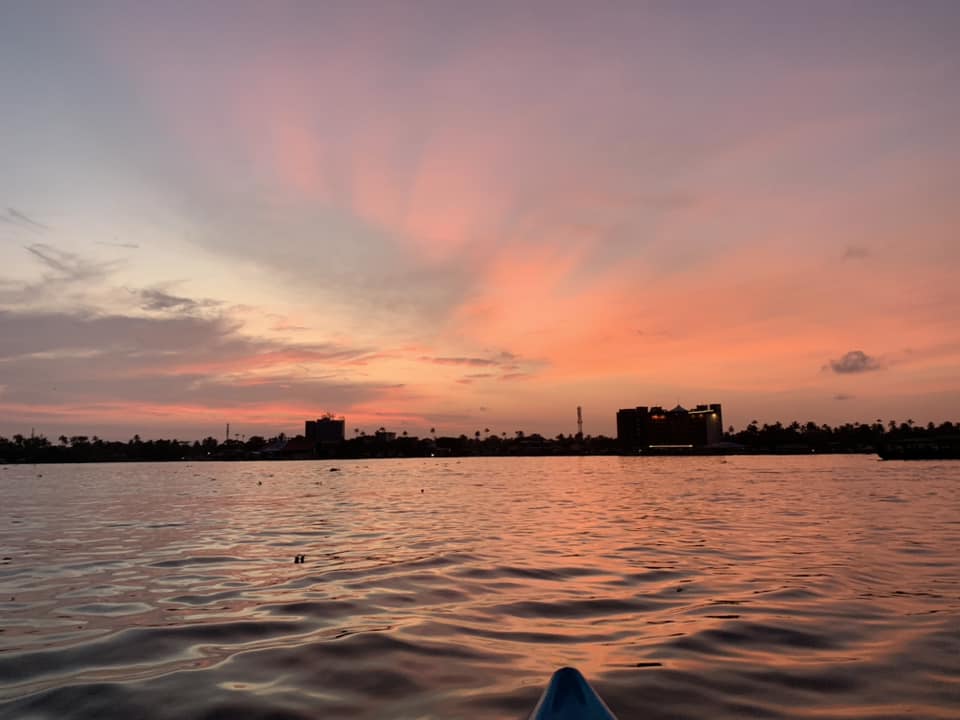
(678, 430)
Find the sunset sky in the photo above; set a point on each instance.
(475, 215)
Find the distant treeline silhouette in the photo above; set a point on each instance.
(754, 438)
(849, 437)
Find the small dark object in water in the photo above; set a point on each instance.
(299, 559)
(334, 469)
(421, 489)
(679, 589)
(259, 482)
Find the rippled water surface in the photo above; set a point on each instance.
(769, 587)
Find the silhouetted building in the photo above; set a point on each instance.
(327, 430)
(679, 429)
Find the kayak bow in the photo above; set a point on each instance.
(570, 697)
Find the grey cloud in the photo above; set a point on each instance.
(158, 300)
(31, 333)
(51, 257)
(505, 360)
(54, 358)
(15, 217)
(55, 382)
(67, 279)
(478, 362)
(855, 361)
(843, 396)
(68, 266)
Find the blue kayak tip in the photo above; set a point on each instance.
(570, 697)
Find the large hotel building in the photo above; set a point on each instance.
(327, 430)
(678, 430)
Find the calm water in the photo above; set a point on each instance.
(811, 587)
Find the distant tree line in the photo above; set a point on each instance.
(754, 438)
(83, 448)
(849, 437)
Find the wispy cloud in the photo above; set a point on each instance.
(68, 266)
(115, 244)
(160, 301)
(473, 361)
(15, 217)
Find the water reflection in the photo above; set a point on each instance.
(683, 587)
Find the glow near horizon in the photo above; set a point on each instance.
(429, 216)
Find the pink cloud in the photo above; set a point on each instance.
(597, 234)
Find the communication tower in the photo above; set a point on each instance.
(579, 423)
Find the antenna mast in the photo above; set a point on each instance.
(579, 423)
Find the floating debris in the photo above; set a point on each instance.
(299, 559)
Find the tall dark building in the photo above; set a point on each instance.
(679, 429)
(327, 430)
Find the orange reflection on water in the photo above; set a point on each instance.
(453, 587)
